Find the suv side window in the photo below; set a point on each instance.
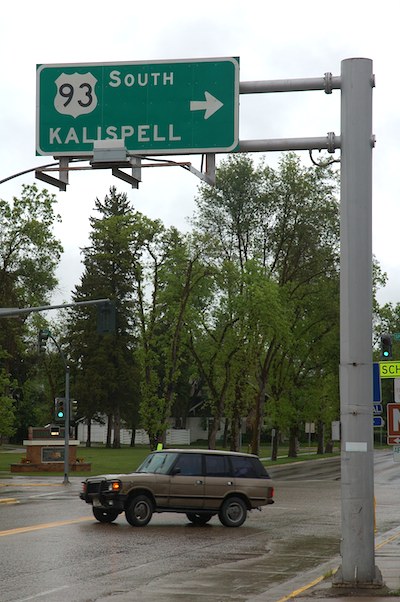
(244, 467)
(216, 466)
(189, 464)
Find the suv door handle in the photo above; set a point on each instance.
(229, 483)
(198, 482)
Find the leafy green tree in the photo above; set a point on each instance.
(7, 407)
(29, 255)
(170, 283)
(286, 222)
(29, 252)
(104, 368)
(228, 341)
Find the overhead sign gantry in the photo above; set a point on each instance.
(114, 114)
(57, 90)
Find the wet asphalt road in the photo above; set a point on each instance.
(52, 550)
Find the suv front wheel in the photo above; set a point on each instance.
(139, 511)
(233, 512)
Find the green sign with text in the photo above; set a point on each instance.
(160, 107)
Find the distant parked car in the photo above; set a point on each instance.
(198, 483)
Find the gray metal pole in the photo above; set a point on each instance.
(66, 429)
(9, 312)
(357, 549)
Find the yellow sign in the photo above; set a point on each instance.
(389, 369)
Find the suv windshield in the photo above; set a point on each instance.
(158, 463)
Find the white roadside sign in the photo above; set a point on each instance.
(396, 453)
(396, 390)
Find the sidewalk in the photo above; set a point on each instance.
(317, 584)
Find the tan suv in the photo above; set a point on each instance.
(198, 483)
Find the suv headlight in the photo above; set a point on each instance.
(114, 486)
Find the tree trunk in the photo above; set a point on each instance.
(213, 429)
(117, 430)
(257, 424)
(293, 441)
(109, 430)
(235, 433)
(320, 435)
(89, 433)
(275, 444)
(132, 444)
(226, 433)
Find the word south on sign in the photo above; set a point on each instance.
(158, 107)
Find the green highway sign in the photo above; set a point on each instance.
(389, 369)
(158, 107)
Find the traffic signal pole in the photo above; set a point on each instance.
(66, 411)
(357, 468)
(67, 423)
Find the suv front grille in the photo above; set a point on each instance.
(95, 487)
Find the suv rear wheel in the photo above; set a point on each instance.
(233, 512)
(199, 519)
(105, 516)
(139, 511)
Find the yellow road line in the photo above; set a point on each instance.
(59, 523)
(296, 592)
(388, 540)
(9, 500)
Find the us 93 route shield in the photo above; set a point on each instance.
(157, 107)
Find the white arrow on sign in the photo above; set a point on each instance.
(210, 105)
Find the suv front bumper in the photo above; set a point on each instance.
(97, 494)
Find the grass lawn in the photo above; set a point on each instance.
(127, 459)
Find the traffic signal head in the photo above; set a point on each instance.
(106, 318)
(59, 408)
(386, 346)
(42, 339)
(73, 409)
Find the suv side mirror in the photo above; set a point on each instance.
(175, 470)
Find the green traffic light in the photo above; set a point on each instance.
(386, 346)
(60, 414)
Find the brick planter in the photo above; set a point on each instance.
(47, 455)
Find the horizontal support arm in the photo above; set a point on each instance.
(329, 143)
(6, 312)
(326, 83)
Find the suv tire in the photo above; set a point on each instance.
(105, 516)
(199, 519)
(233, 512)
(139, 511)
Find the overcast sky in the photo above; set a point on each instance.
(274, 40)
